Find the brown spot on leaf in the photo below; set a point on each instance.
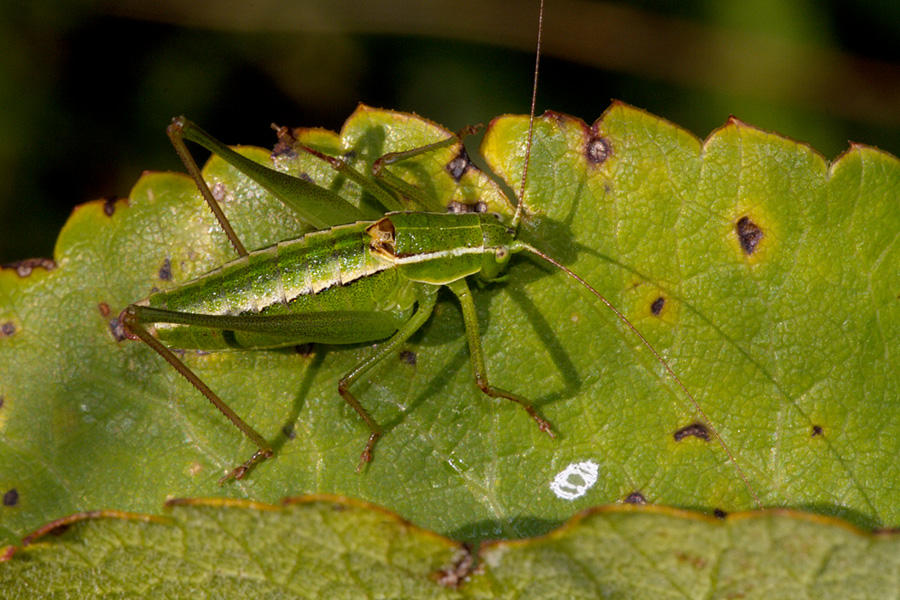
(165, 271)
(597, 150)
(11, 498)
(109, 206)
(460, 208)
(118, 330)
(458, 166)
(698, 562)
(657, 306)
(104, 309)
(693, 430)
(720, 514)
(635, 497)
(817, 430)
(749, 234)
(409, 357)
(452, 576)
(285, 144)
(7, 329)
(24, 268)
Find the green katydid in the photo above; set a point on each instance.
(353, 281)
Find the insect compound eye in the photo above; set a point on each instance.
(382, 234)
(501, 254)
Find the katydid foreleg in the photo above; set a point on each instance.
(476, 354)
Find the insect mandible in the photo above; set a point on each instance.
(353, 281)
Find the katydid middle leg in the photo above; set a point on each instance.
(427, 296)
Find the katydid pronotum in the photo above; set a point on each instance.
(353, 281)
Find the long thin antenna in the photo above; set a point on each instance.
(661, 360)
(537, 63)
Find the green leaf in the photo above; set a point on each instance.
(789, 350)
(336, 548)
(317, 548)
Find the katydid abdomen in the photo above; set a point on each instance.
(322, 272)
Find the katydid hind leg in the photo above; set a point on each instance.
(176, 132)
(476, 353)
(426, 301)
(320, 207)
(130, 319)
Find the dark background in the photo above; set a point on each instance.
(87, 88)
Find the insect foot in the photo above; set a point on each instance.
(543, 424)
(239, 472)
(366, 456)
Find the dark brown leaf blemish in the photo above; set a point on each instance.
(57, 527)
(657, 306)
(7, 328)
(109, 206)
(697, 562)
(11, 498)
(453, 575)
(817, 430)
(719, 513)
(285, 144)
(409, 357)
(635, 498)
(24, 268)
(104, 309)
(117, 330)
(597, 150)
(693, 430)
(459, 165)
(749, 234)
(2, 400)
(461, 208)
(165, 271)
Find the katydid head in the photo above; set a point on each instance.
(498, 240)
(439, 248)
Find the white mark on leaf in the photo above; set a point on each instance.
(575, 480)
